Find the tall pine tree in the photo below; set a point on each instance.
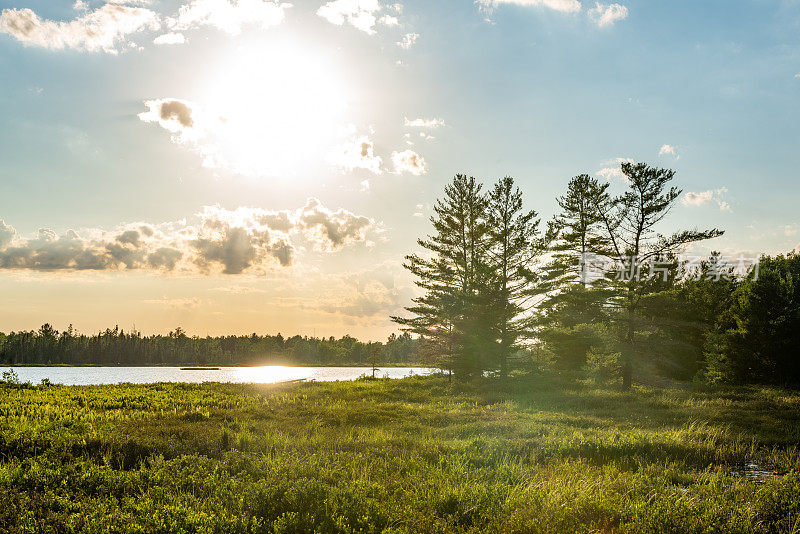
(630, 222)
(571, 289)
(513, 245)
(448, 314)
(569, 281)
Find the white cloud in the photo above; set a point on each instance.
(607, 15)
(358, 13)
(229, 15)
(613, 169)
(105, 28)
(408, 161)
(389, 20)
(789, 229)
(697, 199)
(332, 229)
(172, 114)
(226, 241)
(565, 6)
(424, 123)
(193, 127)
(7, 234)
(668, 150)
(357, 153)
(704, 197)
(408, 40)
(170, 38)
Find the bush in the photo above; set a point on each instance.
(603, 366)
(10, 377)
(569, 347)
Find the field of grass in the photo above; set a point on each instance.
(413, 455)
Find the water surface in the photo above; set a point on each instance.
(83, 376)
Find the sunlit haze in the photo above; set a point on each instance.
(254, 166)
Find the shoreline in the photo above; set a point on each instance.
(223, 366)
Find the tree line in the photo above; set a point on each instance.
(114, 346)
(598, 289)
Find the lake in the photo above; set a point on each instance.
(84, 376)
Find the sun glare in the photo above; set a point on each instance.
(279, 108)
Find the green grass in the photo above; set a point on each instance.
(413, 455)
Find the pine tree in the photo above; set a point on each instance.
(451, 276)
(630, 222)
(513, 246)
(569, 282)
(572, 291)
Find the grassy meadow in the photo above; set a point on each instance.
(412, 455)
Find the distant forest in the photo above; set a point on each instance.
(117, 347)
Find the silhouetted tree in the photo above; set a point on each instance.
(630, 222)
(513, 245)
(448, 315)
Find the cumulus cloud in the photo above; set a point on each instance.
(357, 153)
(229, 16)
(613, 169)
(226, 241)
(190, 126)
(170, 38)
(332, 229)
(697, 199)
(360, 14)
(106, 28)
(408, 161)
(668, 150)
(424, 123)
(564, 6)
(7, 234)
(715, 196)
(607, 15)
(172, 114)
(408, 40)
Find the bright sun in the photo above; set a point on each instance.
(279, 107)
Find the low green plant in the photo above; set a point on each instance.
(531, 453)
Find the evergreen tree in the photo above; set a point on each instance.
(513, 246)
(570, 315)
(448, 314)
(576, 231)
(630, 223)
(757, 338)
(682, 318)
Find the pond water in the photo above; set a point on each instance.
(82, 376)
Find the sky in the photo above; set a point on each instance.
(239, 166)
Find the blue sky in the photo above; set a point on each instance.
(303, 118)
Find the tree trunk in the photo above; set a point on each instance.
(627, 372)
(627, 355)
